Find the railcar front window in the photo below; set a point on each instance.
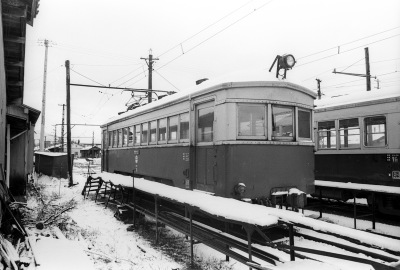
(375, 131)
(162, 130)
(326, 135)
(184, 126)
(349, 132)
(137, 134)
(251, 120)
(130, 135)
(153, 131)
(304, 122)
(144, 137)
(205, 125)
(282, 122)
(173, 128)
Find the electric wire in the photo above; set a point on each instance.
(209, 26)
(167, 80)
(217, 33)
(352, 49)
(87, 77)
(349, 42)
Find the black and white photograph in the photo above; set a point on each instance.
(199, 135)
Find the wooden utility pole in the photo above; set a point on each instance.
(42, 126)
(69, 156)
(150, 66)
(319, 88)
(62, 127)
(367, 74)
(367, 71)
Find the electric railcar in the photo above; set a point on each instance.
(358, 142)
(249, 140)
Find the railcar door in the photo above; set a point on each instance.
(205, 154)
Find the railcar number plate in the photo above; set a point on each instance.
(396, 174)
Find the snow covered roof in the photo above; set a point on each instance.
(355, 186)
(260, 215)
(51, 154)
(363, 97)
(236, 79)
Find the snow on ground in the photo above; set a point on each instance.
(110, 245)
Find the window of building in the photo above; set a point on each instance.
(137, 134)
(282, 122)
(205, 124)
(130, 135)
(184, 126)
(144, 137)
(375, 131)
(162, 130)
(326, 135)
(349, 133)
(153, 132)
(304, 123)
(173, 128)
(251, 120)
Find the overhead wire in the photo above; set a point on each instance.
(217, 33)
(167, 80)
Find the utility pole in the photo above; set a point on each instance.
(55, 136)
(367, 74)
(319, 88)
(93, 139)
(69, 156)
(150, 66)
(42, 127)
(62, 127)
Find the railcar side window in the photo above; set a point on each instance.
(124, 136)
(104, 139)
(375, 131)
(137, 134)
(304, 123)
(120, 138)
(251, 120)
(184, 126)
(326, 135)
(349, 132)
(130, 135)
(173, 128)
(282, 122)
(153, 132)
(115, 138)
(143, 139)
(162, 130)
(205, 124)
(110, 137)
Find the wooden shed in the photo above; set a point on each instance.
(52, 164)
(90, 152)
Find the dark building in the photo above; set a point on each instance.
(17, 121)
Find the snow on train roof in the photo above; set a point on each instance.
(248, 213)
(360, 96)
(235, 79)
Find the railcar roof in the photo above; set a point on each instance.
(207, 87)
(359, 98)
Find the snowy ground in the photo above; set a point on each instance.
(109, 245)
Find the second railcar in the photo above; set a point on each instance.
(358, 142)
(240, 139)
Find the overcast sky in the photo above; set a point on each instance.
(105, 39)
